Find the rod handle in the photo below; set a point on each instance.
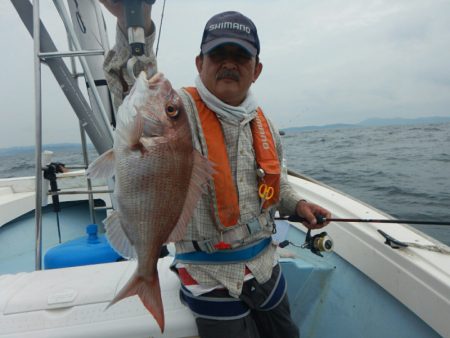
(295, 218)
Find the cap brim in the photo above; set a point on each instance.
(209, 46)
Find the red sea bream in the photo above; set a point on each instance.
(159, 179)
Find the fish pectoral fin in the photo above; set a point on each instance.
(103, 166)
(147, 120)
(117, 236)
(149, 142)
(136, 130)
(202, 172)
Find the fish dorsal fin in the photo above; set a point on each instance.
(103, 166)
(202, 172)
(117, 236)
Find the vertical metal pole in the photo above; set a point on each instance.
(89, 182)
(83, 140)
(38, 133)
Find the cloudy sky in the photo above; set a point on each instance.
(324, 61)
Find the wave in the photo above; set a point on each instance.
(19, 167)
(443, 157)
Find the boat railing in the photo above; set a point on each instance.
(98, 125)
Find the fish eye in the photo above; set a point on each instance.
(171, 111)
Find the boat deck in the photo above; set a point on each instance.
(17, 244)
(328, 297)
(331, 298)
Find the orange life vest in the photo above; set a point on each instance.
(226, 197)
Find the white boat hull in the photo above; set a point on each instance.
(418, 278)
(409, 287)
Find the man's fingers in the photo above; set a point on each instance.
(311, 212)
(307, 213)
(310, 218)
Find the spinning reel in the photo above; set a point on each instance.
(317, 244)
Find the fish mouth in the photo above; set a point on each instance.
(159, 82)
(157, 78)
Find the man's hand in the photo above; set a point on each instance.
(309, 211)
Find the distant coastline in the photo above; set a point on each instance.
(374, 122)
(50, 147)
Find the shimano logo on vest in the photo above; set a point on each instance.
(230, 25)
(262, 133)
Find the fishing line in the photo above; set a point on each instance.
(160, 27)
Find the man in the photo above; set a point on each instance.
(227, 262)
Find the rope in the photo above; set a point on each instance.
(430, 247)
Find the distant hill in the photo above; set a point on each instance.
(373, 122)
(401, 121)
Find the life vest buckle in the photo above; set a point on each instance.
(206, 246)
(254, 226)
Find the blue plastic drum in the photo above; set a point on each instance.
(91, 249)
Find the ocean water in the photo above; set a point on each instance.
(21, 161)
(401, 170)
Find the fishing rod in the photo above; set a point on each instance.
(320, 219)
(323, 243)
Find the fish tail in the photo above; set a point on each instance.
(149, 292)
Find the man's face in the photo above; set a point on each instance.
(228, 72)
